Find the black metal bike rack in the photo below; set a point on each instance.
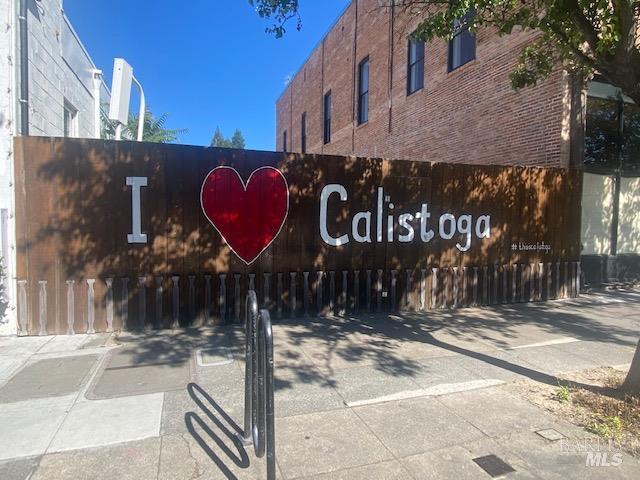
(259, 424)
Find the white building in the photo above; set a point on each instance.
(59, 93)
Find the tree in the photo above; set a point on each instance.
(236, 141)
(281, 11)
(218, 140)
(154, 128)
(586, 35)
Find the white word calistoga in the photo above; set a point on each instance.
(448, 225)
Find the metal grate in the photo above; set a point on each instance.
(493, 465)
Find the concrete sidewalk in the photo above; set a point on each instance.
(409, 396)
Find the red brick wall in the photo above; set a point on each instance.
(470, 115)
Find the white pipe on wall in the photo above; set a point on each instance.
(143, 110)
(97, 123)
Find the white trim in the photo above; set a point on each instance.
(432, 391)
(555, 341)
(606, 91)
(74, 124)
(11, 327)
(244, 185)
(97, 121)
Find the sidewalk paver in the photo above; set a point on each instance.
(21, 346)
(127, 461)
(28, 427)
(434, 371)
(495, 412)
(107, 422)
(549, 461)
(496, 365)
(407, 427)
(324, 442)
(447, 463)
(389, 470)
(552, 359)
(51, 377)
(360, 383)
(65, 343)
(226, 400)
(121, 375)
(9, 366)
(18, 469)
(208, 452)
(600, 353)
(298, 397)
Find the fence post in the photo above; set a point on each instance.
(71, 307)
(292, 293)
(124, 304)
(456, 287)
(158, 322)
(142, 301)
(305, 297)
(175, 290)
(42, 297)
(23, 320)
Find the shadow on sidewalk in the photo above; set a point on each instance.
(377, 340)
(310, 350)
(530, 373)
(206, 436)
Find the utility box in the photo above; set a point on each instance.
(120, 91)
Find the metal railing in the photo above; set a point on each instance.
(259, 424)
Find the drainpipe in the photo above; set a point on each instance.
(354, 74)
(617, 179)
(24, 69)
(143, 109)
(392, 16)
(97, 120)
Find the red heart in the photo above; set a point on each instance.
(249, 217)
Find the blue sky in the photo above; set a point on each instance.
(207, 63)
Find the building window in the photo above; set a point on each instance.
(363, 91)
(326, 118)
(284, 141)
(415, 66)
(612, 136)
(70, 120)
(303, 133)
(611, 154)
(462, 47)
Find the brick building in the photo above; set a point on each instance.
(367, 90)
(439, 102)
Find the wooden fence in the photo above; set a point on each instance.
(488, 235)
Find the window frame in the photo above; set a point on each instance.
(326, 117)
(69, 120)
(411, 65)
(461, 35)
(363, 95)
